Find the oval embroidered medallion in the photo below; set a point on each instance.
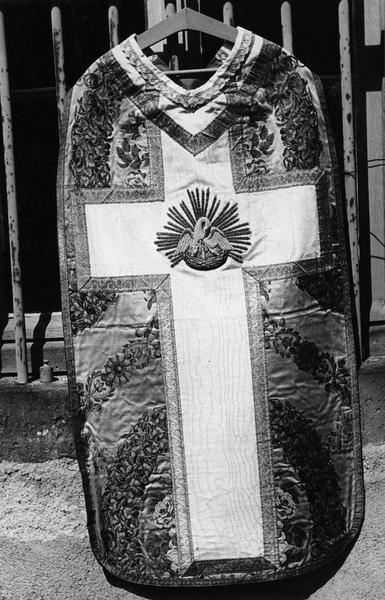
(204, 234)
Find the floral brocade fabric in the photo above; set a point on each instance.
(208, 319)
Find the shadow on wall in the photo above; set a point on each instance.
(295, 588)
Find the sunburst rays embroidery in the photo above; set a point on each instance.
(204, 234)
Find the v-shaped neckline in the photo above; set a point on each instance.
(145, 86)
(190, 98)
(148, 104)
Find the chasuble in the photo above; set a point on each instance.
(207, 312)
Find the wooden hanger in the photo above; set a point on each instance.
(186, 19)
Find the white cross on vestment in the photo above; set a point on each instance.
(209, 320)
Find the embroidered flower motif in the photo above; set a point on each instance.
(172, 556)
(296, 526)
(285, 504)
(285, 509)
(133, 151)
(283, 546)
(305, 355)
(137, 543)
(295, 113)
(254, 106)
(117, 369)
(301, 444)
(91, 133)
(333, 373)
(137, 353)
(163, 516)
(87, 307)
(341, 439)
(94, 393)
(258, 146)
(325, 369)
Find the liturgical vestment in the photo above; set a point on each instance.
(208, 318)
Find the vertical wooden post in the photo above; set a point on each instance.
(154, 13)
(170, 9)
(13, 226)
(113, 26)
(382, 36)
(58, 54)
(375, 123)
(172, 43)
(349, 148)
(287, 28)
(228, 13)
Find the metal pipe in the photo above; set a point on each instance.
(113, 26)
(228, 13)
(349, 149)
(178, 71)
(13, 226)
(287, 26)
(58, 54)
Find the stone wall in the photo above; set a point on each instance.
(35, 422)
